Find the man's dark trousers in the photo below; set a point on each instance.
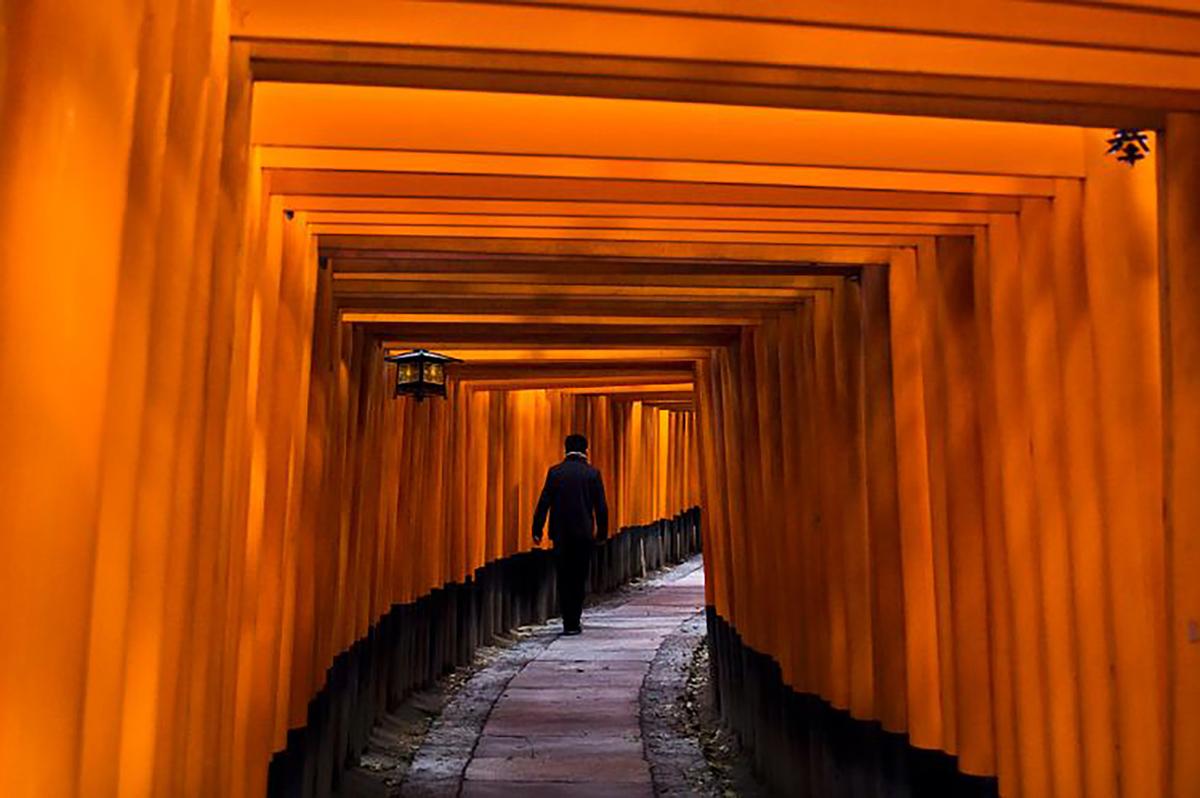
(573, 558)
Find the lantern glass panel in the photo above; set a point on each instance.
(435, 373)
(407, 373)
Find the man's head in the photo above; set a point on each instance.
(575, 443)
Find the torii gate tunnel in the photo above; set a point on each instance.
(859, 280)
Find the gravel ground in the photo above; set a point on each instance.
(731, 774)
(677, 762)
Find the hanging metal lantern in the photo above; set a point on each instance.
(421, 373)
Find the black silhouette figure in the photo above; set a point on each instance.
(574, 497)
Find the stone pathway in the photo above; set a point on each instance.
(567, 721)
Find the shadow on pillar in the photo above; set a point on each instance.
(416, 643)
(804, 747)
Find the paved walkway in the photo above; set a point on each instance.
(568, 722)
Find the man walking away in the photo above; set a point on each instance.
(574, 497)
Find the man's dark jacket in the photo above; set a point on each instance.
(574, 496)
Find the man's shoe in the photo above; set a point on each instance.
(572, 632)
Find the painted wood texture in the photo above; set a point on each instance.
(1009, 615)
(933, 377)
(221, 487)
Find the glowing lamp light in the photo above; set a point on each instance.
(421, 373)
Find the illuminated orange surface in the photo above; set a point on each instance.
(856, 277)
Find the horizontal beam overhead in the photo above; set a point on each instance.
(316, 205)
(1156, 26)
(564, 305)
(415, 265)
(1059, 102)
(1014, 40)
(543, 333)
(547, 317)
(860, 235)
(1090, 64)
(355, 124)
(643, 372)
(874, 252)
(384, 223)
(347, 290)
(441, 162)
(584, 385)
(633, 391)
(376, 184)
(565, 356)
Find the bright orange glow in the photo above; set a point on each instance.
(857, 277)
(296, 116)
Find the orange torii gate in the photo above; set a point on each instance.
(863, 278)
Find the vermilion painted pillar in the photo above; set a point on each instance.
(1179, 237)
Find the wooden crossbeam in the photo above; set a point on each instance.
(323, 125)
(717, 57)
(325, 222)
(582, 385)
(443, 162)
(651, 372)
(835, 251)
(375, 184)
(630, 271)
(501, 208)
(543, 333)
(582, 320)
(519, 309)
(436, 290)
(563, 356)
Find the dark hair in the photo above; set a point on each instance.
(575, 443)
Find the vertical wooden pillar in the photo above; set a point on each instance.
(1179, 236)
(937, 435)
(883, 501)
(1043, 358)
(1085, 519)
(1006, 397)
(920, 615)
(812, 590)
(67, 108)
(792, 505)
(964, 499)
(712, 471)
(847, 297)
(1120, 232)
(835, 684)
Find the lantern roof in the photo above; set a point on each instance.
(421, 354)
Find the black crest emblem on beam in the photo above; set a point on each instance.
(1129, 144)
